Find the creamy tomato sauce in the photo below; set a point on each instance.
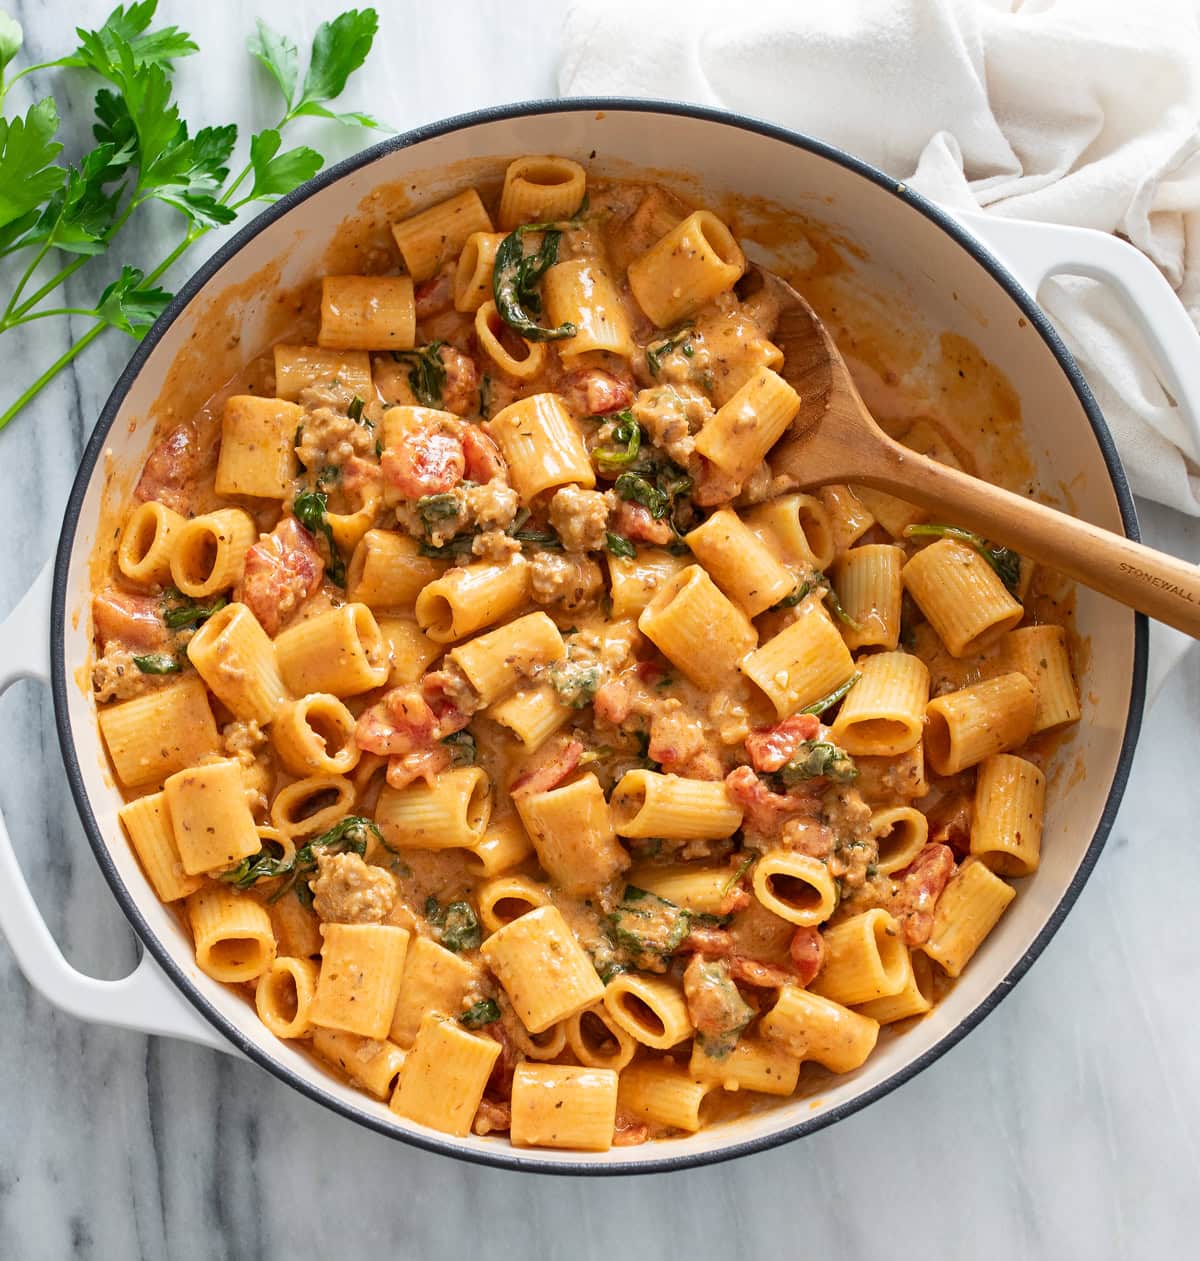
(626, 705)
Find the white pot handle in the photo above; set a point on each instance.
(144, 1000)
(1035, 251)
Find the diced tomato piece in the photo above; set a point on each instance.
(172, 468)
(594, 392)
(419, 764)
(484, 462)
(919, 887)
(435, 295)
(771, 748)
(763, 975)
(714, 943)
(401, 723)
(636, 523)
(765, 811)
(460, 392)
(282, 570)
(427, 461)
(551, 772)
(612, 703)
(808, 953)
(134, 621)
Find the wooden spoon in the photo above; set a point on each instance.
(834, 438)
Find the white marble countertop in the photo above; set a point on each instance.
(1066, 1126)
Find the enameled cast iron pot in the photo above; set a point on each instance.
(954, 281)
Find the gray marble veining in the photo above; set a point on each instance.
(1065, 1127)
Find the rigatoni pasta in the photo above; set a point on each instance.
(367, 313)
(961, 595)
(438, 234)
(541, 762)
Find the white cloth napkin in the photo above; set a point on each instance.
(1082, 112)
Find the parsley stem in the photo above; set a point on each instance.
(64, 274)
(58, 310)
(26, 276)
(51, 372)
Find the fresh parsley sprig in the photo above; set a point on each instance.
(145, 152)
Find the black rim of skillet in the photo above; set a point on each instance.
(505, 1157)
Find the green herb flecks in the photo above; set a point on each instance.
(736, 879)
(456, 923)
(575, 684)
(310, 509)
(433, 509)
(484, 1012)
(461, 744)
(426, 373)
(272, 861)
(818, 759)
(459, 545)
(158, 663)
(678, 340)
(1003, 560)
(179, 612)
(355, 410)
(619, 545)
(350, 835)
(835, 603)
(729, 1013)
(516, 275)
(648, 928)
(627, 435)
(838, 693)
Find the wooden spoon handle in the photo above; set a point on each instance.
(1159, 585)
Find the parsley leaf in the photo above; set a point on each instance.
(338, 49)
(146, 152)
(130, 305)
(98, 48)
(309, 509)
(11, 39)
(79, 217)
(278, 173)
(280, 56)
(27, 153)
